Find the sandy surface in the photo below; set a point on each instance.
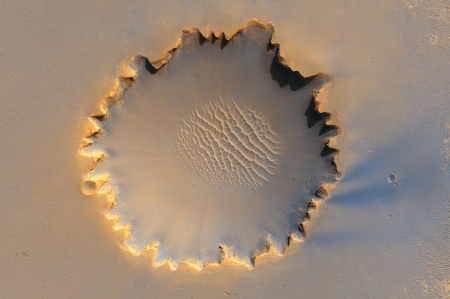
(374, 238)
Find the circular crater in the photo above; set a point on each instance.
(89, 187)
(216, 151)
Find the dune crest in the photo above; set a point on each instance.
(216, 151)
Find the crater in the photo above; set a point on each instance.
(216, 151)
(89, 187)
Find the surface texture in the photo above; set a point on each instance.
(389, 61)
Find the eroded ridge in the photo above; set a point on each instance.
(228, 145)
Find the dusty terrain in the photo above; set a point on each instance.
(384, 233)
